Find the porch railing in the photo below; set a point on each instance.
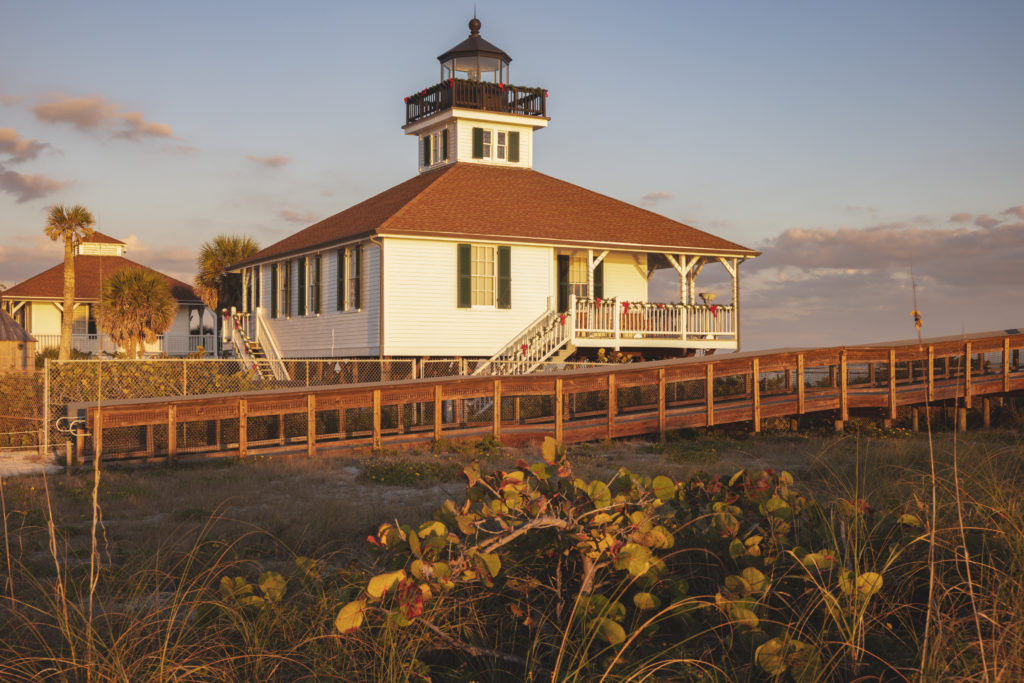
(170, 344)
(458, 92)
(621, 322)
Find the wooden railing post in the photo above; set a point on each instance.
(892, 384)
(800, 388)
(310, 424)
(612, 404)
(661, 404)
(1006, 365)
(559, 401)
(496, 411)
(930, 393)
(97, 436)
(967, 375)
(844, 398)
(243, 427)
(709, 395)
(438, 412)
(376, 418)
(755, 376)
(172, 434)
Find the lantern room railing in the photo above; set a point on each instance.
(457, 92)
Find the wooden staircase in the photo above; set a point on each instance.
(545, 339)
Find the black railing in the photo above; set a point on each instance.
(508, 99)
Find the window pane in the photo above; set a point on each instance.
(483, 275)
(487, 144)
(501, 145)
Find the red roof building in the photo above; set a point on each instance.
(481, 256)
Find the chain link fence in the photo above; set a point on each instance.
(21, 412)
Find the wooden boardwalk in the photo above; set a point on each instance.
(573, 406)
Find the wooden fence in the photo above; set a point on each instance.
(573, 406)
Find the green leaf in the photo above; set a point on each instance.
(738, 585)
(273, 586)
(549, 450)
(634, 558)
(308, 566)
(868, 584)
(608, 630)
(743, 616)
(645, 601)
(541, 471)
(910, 520)
(428, 528)
(757, 581)
(736, 477)
(380, 584)
(599, 493)
(350, 617)
(491, 561)
(472, 474)
(663, 487)
(769, 657)
(776, 507)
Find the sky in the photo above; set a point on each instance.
(864, 148)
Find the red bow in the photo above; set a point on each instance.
(598, 302)
(406, 99)
(424, 92)
(661, 305)
(714, 309)
(524, 347)
(561, 319)
(625, 305)
(502, 86)
(451, 82)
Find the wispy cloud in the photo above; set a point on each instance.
(27, 187)
(1017, 211)
(986, 221)
(302, 217)
(271, 162)
(9, 100)
(17, 147)
(95, 113)
(657, 196)
(28, 255)
(961, 217)
(180, 149)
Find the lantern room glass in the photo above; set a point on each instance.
(475, 68)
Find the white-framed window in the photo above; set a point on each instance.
(579, 276)
(488, 136)
(483, 275)
(284, 289)
(313, 284)
(502, 144)
(355, 272)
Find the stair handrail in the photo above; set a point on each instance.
(265, 337)
(537, 342)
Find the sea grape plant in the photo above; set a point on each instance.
(618, 573)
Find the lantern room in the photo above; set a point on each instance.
(475, 59)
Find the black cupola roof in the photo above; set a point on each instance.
(475, 45)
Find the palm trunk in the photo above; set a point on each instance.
(64, 352)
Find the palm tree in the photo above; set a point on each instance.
(136, 307)
(73, 225)
(215, 285)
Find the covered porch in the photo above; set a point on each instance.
(606, 299)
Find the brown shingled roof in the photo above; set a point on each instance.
(473, 200)
(50, 283)
(100, 238)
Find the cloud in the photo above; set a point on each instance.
(960, 217)
(657, 196)
(303, 217)
(9, 99)
(19, 148)
(176, 261)
(27, 187)
(986, 221)
(28, 255)
(1017, 211)
(96, 113)
(271, 162)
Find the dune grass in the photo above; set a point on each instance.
(130, 586)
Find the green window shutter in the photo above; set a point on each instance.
(465, 278)
(315, 276)
(300, 265)
(563, 283)
(341, 280)
(513, 146)
(504, 277)
(273, 290)
(478, 143)
(598, 292)
(426, 150)
(357, 277)
(444, 144)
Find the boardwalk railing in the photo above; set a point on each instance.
(573, 406)
(636, 323)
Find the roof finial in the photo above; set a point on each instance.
(474, 24)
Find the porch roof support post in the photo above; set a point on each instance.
(590, 273)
